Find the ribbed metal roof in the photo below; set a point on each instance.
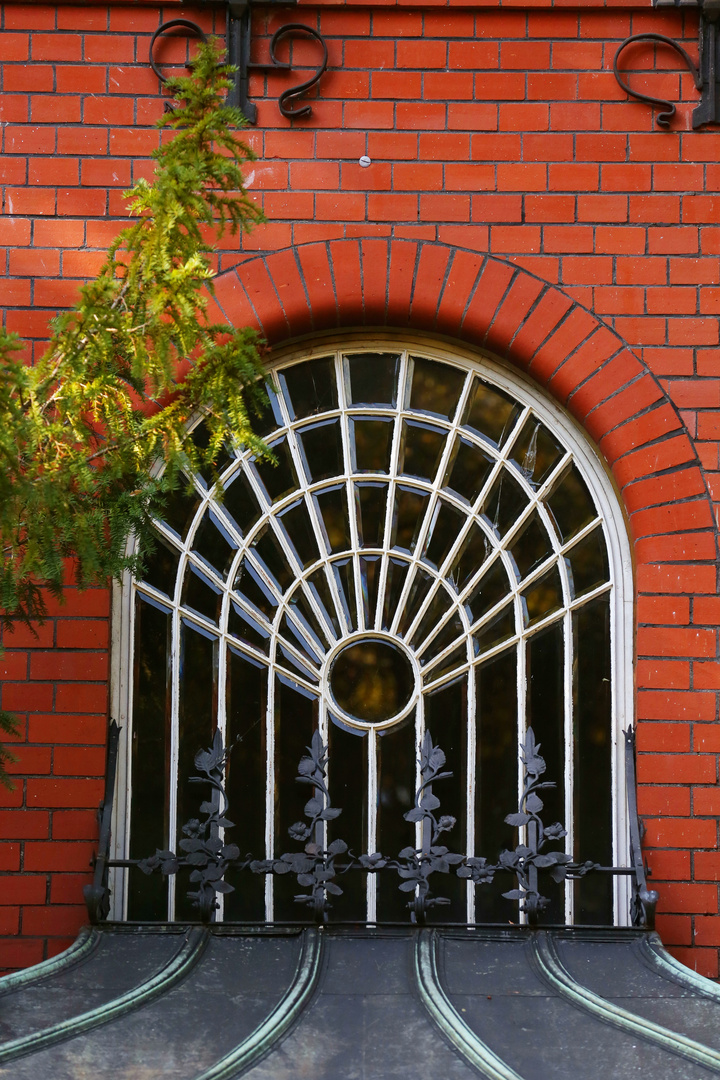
(214, 1003)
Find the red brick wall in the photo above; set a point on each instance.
(498, 131)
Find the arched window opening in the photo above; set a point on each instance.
(437, 549)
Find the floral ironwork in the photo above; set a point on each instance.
(203, 849)
(314, 866)
(317, 866)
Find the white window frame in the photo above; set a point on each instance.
(602, 487)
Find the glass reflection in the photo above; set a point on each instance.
(373, 378)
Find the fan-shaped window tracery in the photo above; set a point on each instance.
(427, 552)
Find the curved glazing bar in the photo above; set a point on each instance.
(267, 1034)
(177, 968)
(554, 972)
(428, 527)
(81, 949)
(443, 1012)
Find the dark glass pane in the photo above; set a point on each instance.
(499, 628)
(298, 526)
(318, 585)
(454, 660)
(200, 594)
(290, 660)
(489, 591)
(543, 596)
(473, 552)
(593, 771)
(536, 452)
(373, 378)
(369, 582)
(332, 504)
(348, 791)
(309, 621)
(278, 479)
(505, 502)
(451, 631)
(180, 508)
(149, 809)
(322, 449)
(396, 795)
(421, 449)
(246, 783)
(371, 680)
(531, 546)
(310, 387)
(444, 532)
(296, 717)
(295, 635)
(496, 766)
(270, 417)
(435, 388)
(396, 575)
(421, 583)
(371, 440)
(468, 471)
(243, 626)
(446, 720)
(437, 609)
(251, 586)
(588, 562)
(268, 549)
(213, 545)
(161, 566)
(198, 705)
(571, 504)
(545, 714)
(345, 577)
(371, 500)
(408, 517)
(241, 504)
(490, 412)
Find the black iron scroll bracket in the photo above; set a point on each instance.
(663, 118)
(97, 895)
(238, 32)
(643, 901)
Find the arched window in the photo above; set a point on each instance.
(437, 548)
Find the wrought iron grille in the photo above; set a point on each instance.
(429, 554)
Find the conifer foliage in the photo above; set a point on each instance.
(125, 372)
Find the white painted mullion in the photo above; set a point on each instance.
(471, 779)
(394, 462)
(270, 782)
(372, 801)
(434, 502)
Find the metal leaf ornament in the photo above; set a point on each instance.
(526, 859)
(204, 852)
(314, 866)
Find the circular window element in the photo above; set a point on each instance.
(372, 681)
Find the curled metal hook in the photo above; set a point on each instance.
(663, 118)
(197, 31)
(296, 91)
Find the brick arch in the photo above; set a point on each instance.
(495, 304)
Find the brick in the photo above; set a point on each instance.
(74, 825)
(664, 737)
(9, 856)
(24, 825)
(68, 888)
(706, 800)
(54, 792)
(689, 897)
(676, 769)
(53, 920)
(23, 889)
